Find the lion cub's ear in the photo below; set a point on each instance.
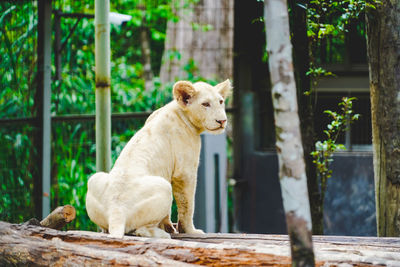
(184, 92)
(224, 88)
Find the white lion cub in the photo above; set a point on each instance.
(161, 159)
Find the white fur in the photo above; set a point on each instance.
(161, 159)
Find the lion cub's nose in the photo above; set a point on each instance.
(221, 122)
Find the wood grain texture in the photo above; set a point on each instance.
(33, 245)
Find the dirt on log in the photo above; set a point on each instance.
(27, 245)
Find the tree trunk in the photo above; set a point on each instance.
(200, 42)
(289, 148)
(383, 45)
(146, 58)
(22, 245)
(146, 51)
(301, 60)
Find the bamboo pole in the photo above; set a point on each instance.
(103, 102)
(289, 148)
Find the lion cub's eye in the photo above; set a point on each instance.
(206, 104)
(221, 102)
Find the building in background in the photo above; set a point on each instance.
(350, 197)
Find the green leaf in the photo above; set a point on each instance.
(302, 6)
(207, 27)
(340, 147)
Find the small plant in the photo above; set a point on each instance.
(322, 156)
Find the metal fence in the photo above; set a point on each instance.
(72, 162)
(17, 166)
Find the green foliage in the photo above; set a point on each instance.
(317, 73)
(327, 23)
(73, 161)
(329, 17)
(322, 156)
(18, 40)
(16, 151)
(74, 94)
(202, 27)
(17, 76)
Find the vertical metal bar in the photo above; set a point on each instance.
(42, 187)
(103, 102)
(57, 55)
(217, 194)
(57, 44)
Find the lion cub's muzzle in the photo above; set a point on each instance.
(220, 126)
(222, 123)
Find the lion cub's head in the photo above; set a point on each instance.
(203, 104)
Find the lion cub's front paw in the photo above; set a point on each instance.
(189, 229)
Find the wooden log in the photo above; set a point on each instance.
(34, 245)
(28, 244)
(59, 217)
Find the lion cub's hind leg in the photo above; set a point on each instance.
(167, 226)
(152, 209)
(95, 204)
(151, 231)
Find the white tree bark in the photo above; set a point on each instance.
(289, 148)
